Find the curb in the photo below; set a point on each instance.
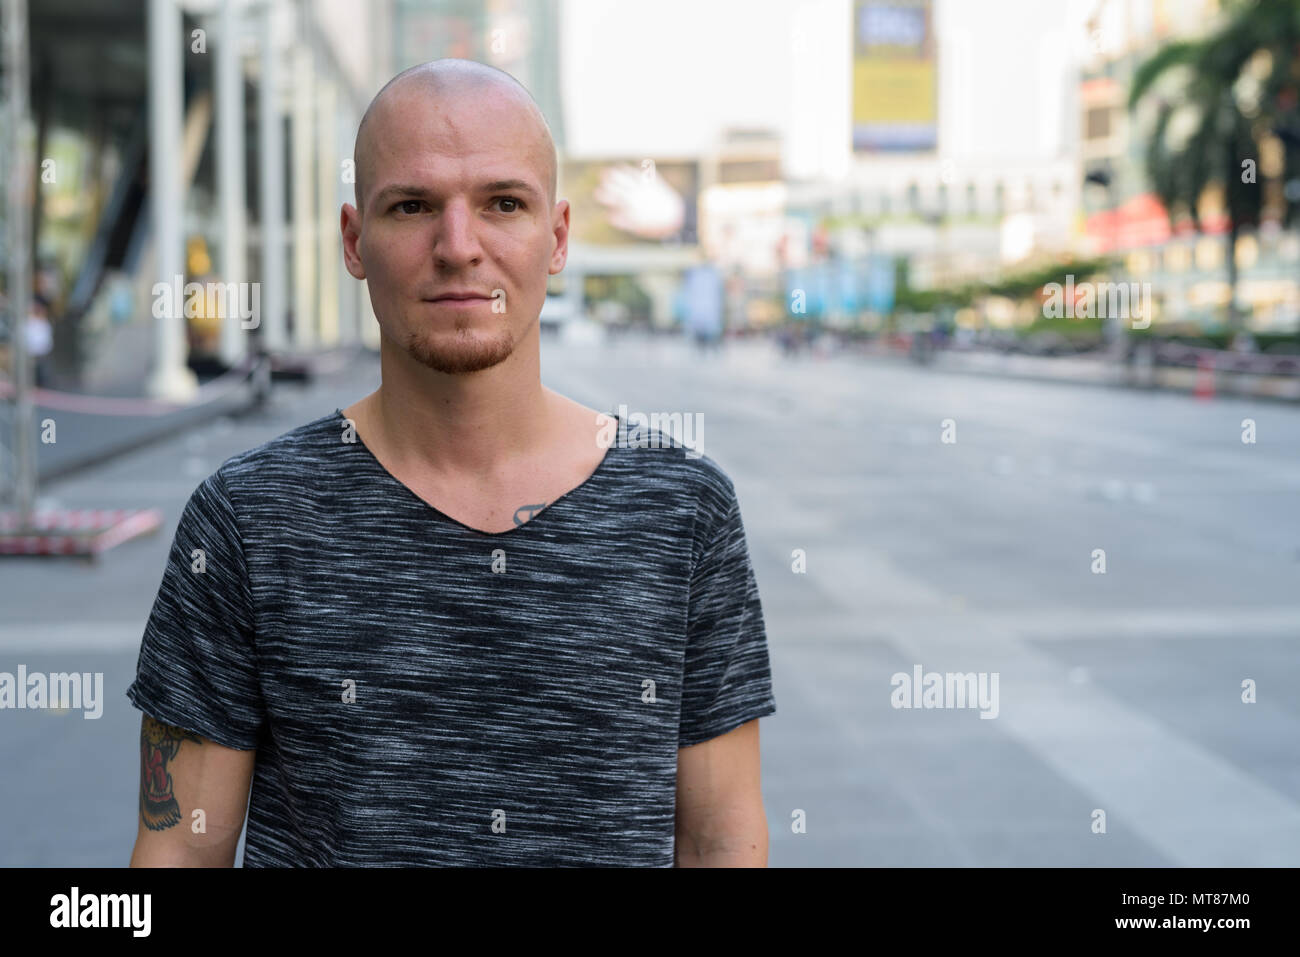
(299, 369)
(1175, 379)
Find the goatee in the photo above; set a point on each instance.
(464, 355)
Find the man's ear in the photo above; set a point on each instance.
(560, 227)
(350, 223)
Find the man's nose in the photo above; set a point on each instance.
(455, 241)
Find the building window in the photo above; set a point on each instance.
(1209, 253)
(913, 199)
(1097, 123)
(999, 197)
(1247, 252)
(971, 203)
(1139, 262)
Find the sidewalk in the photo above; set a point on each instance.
(100, 606)
(1104, 371)
(91, 429)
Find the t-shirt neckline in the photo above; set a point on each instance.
(601, 467)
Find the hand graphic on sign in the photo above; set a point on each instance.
(640, 202)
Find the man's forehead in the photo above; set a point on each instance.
(415, 124)
(419, 157)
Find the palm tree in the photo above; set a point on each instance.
(1206, 126)
(1277, 26)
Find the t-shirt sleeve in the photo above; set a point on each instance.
(727, 678)
(197, 668)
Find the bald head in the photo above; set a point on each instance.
(444, 80)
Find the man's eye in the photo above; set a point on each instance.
(408, 206)
(510, 199)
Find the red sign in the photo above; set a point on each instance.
(1141, 221)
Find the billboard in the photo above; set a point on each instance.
(894, 76)
(631, 201)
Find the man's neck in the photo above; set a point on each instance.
(461, 425)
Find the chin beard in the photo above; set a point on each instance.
(463, 355)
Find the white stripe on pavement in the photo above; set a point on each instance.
(1192, 805)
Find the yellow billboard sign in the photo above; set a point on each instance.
(894, 76)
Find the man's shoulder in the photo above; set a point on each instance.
(297, 456)
(686, 468)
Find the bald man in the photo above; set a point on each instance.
(457, 623)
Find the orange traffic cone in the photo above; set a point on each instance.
(1204, 378)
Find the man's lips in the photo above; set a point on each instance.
(453, 303)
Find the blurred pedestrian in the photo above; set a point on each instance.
(40, 340)
(702, 306)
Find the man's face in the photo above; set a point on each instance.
(455, 204)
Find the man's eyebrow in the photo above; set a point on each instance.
(400, 191)
(420, 191)
(519, 184)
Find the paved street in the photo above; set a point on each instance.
(1119, 692)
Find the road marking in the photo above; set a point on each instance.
(1193, 806)
(1065, 624)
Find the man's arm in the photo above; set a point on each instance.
(720, 817)
(181, 773)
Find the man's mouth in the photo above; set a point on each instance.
(459, 297)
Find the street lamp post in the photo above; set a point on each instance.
(1104, 177)
(18, 238)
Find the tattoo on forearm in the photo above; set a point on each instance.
(158, 744)
(530, 509)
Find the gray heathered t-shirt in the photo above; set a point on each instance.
(423, 693)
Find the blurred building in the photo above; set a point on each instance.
(743, 198)
(923, 184)
(1187, 270)
(194, 141)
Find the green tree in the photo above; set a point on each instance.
(1275, 84)
(1208, 123)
